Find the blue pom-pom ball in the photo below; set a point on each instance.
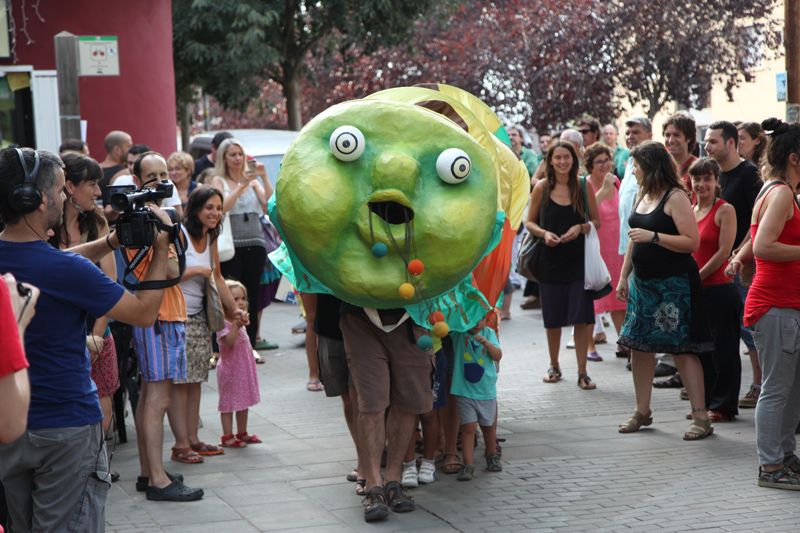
(425, 342)
(379, 250)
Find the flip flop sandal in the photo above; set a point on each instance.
(230, 441)
(207, 449)
(352, 477)
(186, 455)
(361, 487)
(594, 356)
(249, 439)
(314, 386)
(553, 375)
(585, 382)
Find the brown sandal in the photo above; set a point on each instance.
(585, 382)
(553, 375)
(186, 455)
(451, 467)
(207, 449)
(635, 422)
(699, 429)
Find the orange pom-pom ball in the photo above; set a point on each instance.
(441, 329)
(406, 291)
(436, 316)
(415, 267)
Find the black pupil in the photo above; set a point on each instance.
(346, 144)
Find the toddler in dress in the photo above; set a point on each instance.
(237, 379)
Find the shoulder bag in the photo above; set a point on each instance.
(530, 253)
(214, 314)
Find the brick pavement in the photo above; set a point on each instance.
(565, 466)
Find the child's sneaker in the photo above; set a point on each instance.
(409, 479)
(493, 462)
(466, 473)
(427, 471)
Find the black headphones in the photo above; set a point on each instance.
(25, 197)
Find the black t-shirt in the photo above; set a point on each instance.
(740, 187)
(327, 320)
(200, 165)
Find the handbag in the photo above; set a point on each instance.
(214, 314)
(530, 254)
(596, 278)
(225, 245)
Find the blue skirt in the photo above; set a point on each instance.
(666, 315)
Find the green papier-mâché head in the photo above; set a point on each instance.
(379, 172)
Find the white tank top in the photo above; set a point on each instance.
(194, 288)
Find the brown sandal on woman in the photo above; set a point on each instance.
(585, 382)
(186, 455)
(635, 422)
(700, 428)
(451, 467)
(553, 375)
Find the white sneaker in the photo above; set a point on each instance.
(427, 472)
(571, 343)
(409, 480)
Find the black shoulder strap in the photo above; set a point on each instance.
(180, 250)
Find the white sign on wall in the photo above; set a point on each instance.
(98, 55)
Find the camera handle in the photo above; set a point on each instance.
(180, 250)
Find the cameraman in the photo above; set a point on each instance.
(56, 474)
(161, 351)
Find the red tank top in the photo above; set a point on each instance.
(775, 282)
(709, 244)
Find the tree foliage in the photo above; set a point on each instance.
(542, 63)
(229, 48)
(680, 48)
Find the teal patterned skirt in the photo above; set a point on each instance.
(666, 315)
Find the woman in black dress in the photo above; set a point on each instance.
(661, 283)
(563, 202)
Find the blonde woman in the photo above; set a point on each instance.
(180, 166)
(245, 189)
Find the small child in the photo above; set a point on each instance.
(474, 388)
(237, 378)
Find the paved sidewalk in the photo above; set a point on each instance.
(565, 466)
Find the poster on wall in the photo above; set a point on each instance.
(98, 55)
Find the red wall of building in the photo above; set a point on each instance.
(141, 100)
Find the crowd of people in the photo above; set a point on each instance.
(700, 253)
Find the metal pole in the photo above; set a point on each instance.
(69, 101)
(792, 43)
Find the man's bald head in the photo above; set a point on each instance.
(116, 144)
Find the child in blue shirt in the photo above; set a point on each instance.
(474, 387)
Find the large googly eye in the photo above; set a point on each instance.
(347, 143)
(453, 166)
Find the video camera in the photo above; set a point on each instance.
(137, 226)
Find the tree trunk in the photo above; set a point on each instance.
(184, 114)
(291, 91)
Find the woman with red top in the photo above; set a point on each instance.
(716, 223)
(772, 308)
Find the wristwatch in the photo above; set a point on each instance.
(655, 238)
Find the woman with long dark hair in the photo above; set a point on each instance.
(752, 142)
(661, 284)
(772, 308)
(557, 215)
(201, 227)
(83, 221)
(245, 192)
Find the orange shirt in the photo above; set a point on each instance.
(173, 305)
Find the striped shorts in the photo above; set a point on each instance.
(161, 350)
